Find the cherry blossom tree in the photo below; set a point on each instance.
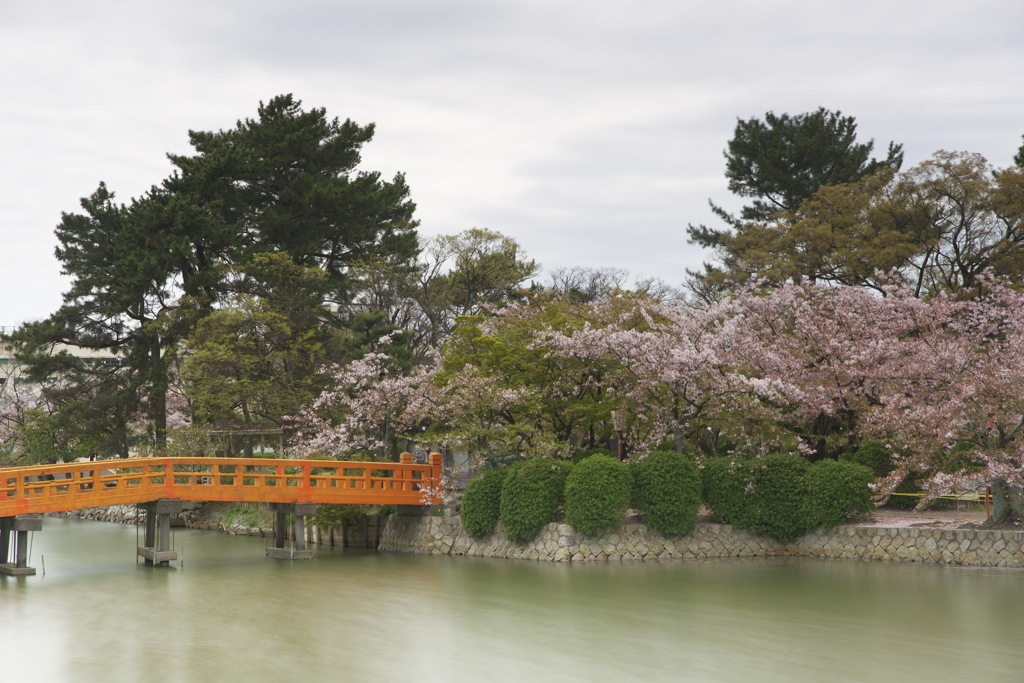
(807, 368)
(17, 405)
(661, 364)
(818, 359)
(834, 364)
(370, 403)
(961, 383)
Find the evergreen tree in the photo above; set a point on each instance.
(779, 163)
(143, 275)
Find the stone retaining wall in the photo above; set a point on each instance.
(635, 542)
(363, 532)
(130, 514)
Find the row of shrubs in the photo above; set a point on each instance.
(786, 496)
(780, 495)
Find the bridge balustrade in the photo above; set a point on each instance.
(72, 486)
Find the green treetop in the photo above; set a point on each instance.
(778, 163)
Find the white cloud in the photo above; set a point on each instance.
(590, 131)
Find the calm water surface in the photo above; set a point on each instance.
(231, 614)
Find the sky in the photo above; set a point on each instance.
(591, 131)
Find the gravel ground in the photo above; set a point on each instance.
(933, 519)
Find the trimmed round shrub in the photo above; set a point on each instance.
(775, 504)
(579, 456)
(667, 491)
(725, 488)
(837, 491)
(531, 495)
(481, 502)
(597, 494)
(873, 455)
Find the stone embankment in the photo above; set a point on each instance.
(362, 531)
(635, 542)
(193, 516)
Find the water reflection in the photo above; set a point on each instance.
(231, 614)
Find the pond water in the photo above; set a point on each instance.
(227, 612)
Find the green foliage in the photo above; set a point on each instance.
(283, 183)
(372, 332)
(531, 495)
(909, 485)
(509, 394)
(481, 502)
(775, 504)
(248, 515)
(725, 482)
(780, 162)
(958, 459)
(667, 491)
(579, 456)
(489, 267)
(255, 361)
(837, 491)
(333, 516)
(873, 455)
(783, 160)
(597, 494)
(189, 440)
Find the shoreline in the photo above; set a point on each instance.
(931, 537)
(942, 540)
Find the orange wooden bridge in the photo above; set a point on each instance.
(293, 486)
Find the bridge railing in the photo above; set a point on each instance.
(71, 486)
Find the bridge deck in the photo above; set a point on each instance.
(72, 486)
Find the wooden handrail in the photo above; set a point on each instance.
(72, 486)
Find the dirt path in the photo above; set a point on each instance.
(932, 519)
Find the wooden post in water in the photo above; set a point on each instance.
(5, 540)
(156, 548)
(20, 525)
(298, 551)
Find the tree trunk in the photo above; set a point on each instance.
(158, 397)
(1007, 504)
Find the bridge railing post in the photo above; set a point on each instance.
(405, 480)
(436, 472)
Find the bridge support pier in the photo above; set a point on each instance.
(298, 551)
(19, 526)
(157, 545)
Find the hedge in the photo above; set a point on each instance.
(837, 491)
(775, 502)
(481, 502)
(667, 491)
(531, 495)
(725, 481)
(597, 494)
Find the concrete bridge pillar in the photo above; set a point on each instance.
(298, 551)
(19, 527)
(156, 549)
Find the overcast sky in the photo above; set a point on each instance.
(591, 131)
